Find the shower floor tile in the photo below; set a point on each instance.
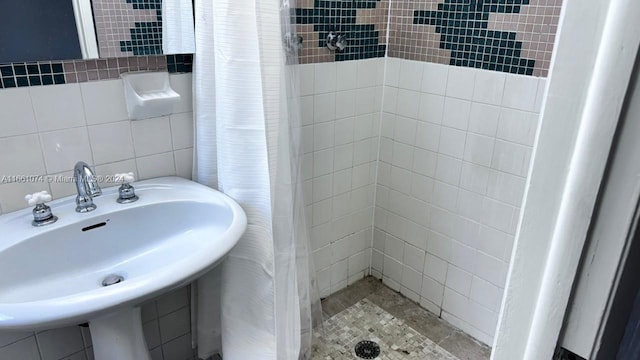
(366, 321)
(368, 310)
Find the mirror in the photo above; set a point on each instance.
(40, 30)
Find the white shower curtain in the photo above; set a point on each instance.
(261, 302)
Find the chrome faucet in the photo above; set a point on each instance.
(87, 186)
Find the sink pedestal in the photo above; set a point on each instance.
(119, 336)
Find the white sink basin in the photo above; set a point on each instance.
(52, 276)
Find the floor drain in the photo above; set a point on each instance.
(112, 280)
(367, 349)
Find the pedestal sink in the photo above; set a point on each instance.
(98, 267)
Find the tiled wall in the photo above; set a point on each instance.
(454, 154)
(44, 130)
(128, 27)
(340, 113)
(364, 22)
(78, 71)
(513, 36)
(165, 323)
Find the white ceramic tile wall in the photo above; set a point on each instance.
(340, 114)
(44, 130)
(454, 152)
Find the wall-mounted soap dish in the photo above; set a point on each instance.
(148, 94)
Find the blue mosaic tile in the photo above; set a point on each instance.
(340, 17)
(146, 37)
(462, 25)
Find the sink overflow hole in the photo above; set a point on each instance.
(94, 226)
(112, 280)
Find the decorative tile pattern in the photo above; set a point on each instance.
(366, 321)
(78, 71)
(514, 36)
(463, 30)
(364, 22)
(128, 27)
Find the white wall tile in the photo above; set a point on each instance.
(411, 75)
(324, 107)
(489, 87)
(111, 142)
(484, 119)
(26, 349)
(497, 214)
(151, 136)
(427, 136)
(448, 170)
(460, 82)
(182, 84)
(412, 280)
(392, 269)
(434, 78)
(408, 103)
(179, 348)
(58, 343)
(458, 280)
(174, 324)
(63, 148)
(307, 79)
(392, 71)
(184, 163)
(345, 104)
(506, 187)
(479, 149)
(414, 258)
(404, 130)
(109, 169)
(474, 178)
(431, 108)
(325, 78)
(456, 113)
(17, 112)
(9, 337)
(156, 165)
(306, 110)
(346, 75)
(452, 142)
(59, 109)
(367, 72)
(104, 101)
(402, 155)
(172, 301)
(344, 130)
(12, 194)
(182, 130)
(432, 290)
(368, 100)
(520, 92)
(29, 162)
(323, 135)
(511, 158)
(517, 126)
(435, 268)
(486, 294)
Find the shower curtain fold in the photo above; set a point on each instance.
(261, 302)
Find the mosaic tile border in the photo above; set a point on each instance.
(128, 27)
(514, 36)
(78, 71)
(364, 22)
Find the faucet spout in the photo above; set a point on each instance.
(87, 186)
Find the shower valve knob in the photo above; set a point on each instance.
(336, 42)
